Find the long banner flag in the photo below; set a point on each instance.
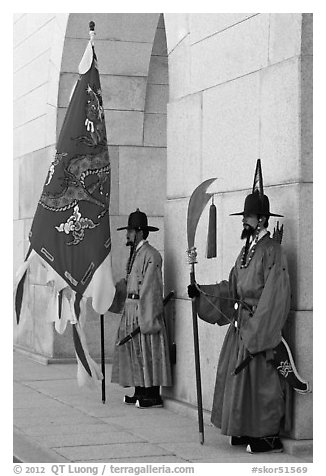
(71, 229)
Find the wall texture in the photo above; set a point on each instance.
(240, 89)
(187, 97)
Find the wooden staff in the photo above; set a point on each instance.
(103, 358)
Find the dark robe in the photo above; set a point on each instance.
(144, 360)
(252, 402)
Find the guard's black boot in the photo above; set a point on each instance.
(139, 392)
(151, 399)
(266, 444)
(239, 440)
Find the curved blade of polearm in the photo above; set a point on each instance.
(197, 203)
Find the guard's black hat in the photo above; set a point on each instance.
(138, 221)
(256, 203)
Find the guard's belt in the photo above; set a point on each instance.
(133, 296)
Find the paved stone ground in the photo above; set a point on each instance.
(56, 421)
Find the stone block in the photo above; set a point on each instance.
(158, 70)
(307, 118)
(230, 140)
(234, 52)
(280, 122)
(304, 250)
(36, 44)
(180, 70)
(18, 244)
(307, 34)
(175, 246)
(184, 146)
(15, 177)
(30, 106)
(25, 79)
(114, 57)
(157, 98)
(176, 27)
(285, 36)
(142, 180)
(155, 130)
(53, 85)
(50, 125)
(302, 346)
(138, 27)
(114, 197)
(66, 88)
(27, 205)
(159, 45)
(203, 25)
(124, 127)
(29, 137)
(123, 93)
(118, 450)
(43, 327)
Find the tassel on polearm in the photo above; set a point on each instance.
(211, 235)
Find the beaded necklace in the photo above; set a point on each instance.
(131, 261)
(245, 259)
(133, 254)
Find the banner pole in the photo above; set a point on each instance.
(102, 358)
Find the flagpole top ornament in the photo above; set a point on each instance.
(91, 31)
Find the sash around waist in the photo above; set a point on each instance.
(133, 296)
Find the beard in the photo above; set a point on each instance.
(247, 232)
(130, 243)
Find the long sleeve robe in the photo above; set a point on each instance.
(144, 360)
(251, 403)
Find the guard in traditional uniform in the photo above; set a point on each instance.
(143, 361)
(256, 370)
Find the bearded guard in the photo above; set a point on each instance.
(255, 301)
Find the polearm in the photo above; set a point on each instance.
(197, 203)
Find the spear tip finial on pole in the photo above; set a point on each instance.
(91, 31)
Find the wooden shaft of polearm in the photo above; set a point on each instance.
(197, 360)
(103, 358)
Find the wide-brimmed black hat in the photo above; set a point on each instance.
(256, 203)
(138, 221)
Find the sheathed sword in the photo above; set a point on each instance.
(197, 203)
(283, 362)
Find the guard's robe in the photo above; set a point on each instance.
(144, 360)
(254, 402)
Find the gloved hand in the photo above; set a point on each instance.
(193, 291)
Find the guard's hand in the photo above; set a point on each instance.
(193, 291)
